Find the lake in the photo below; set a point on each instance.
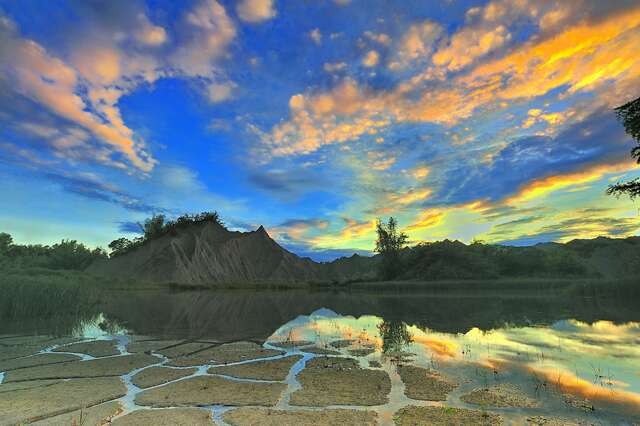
(328, 357)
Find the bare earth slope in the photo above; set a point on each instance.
(209, 254)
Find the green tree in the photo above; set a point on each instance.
(629, 115)
(389, 244)
(119, 246)
(153, 227)
(6, 241)
(70, 254)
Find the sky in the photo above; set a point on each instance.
(468, 120)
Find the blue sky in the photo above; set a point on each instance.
(463, 119)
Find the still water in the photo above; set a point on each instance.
(526, 357)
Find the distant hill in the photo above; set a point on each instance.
(207, 254)
(607, 258)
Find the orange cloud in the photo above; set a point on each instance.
(410, 197)
(427, 219)
(540, 187)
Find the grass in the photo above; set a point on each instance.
(44, 293)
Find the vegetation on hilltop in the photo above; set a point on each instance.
(629, 115)
(157, 226)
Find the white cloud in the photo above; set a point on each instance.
(316, 36)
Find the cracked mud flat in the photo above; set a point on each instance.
(340, 381)
(137, 345)
(166, 417)
(290, 344)
(504, 395)
(268, 417)
(550, 421)
(211, 390)
(96, 415)
(101, 367)
(276, 370)
(37, 403)
(225, 354)
(97, 348)
(425, 384)
(320, 351)
(444, 416)
(36, 360)
(154, 376)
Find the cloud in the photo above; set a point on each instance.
(285, 183)
(381, 38)
(469, 44)
(84, 85)
(129, 228)
(48, 81)
(586, 57)
(316, 36)
(371, 59)
(532, 166)
(149, 34)
(334, 67)
(417, 43)
(255, 10)
(209, 33)
(88, 186)
(219, 92)
(295, 230)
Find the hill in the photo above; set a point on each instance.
(206, 253)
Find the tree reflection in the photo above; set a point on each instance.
(395, 336)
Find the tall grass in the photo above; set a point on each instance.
(44, 293)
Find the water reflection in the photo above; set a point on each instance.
(569, 353)
(588, 364)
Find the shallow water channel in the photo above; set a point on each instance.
(327, 357)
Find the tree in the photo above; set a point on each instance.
(119, 246)
(389, 244)
(6, 241)
(153, 227)
(629, 115)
